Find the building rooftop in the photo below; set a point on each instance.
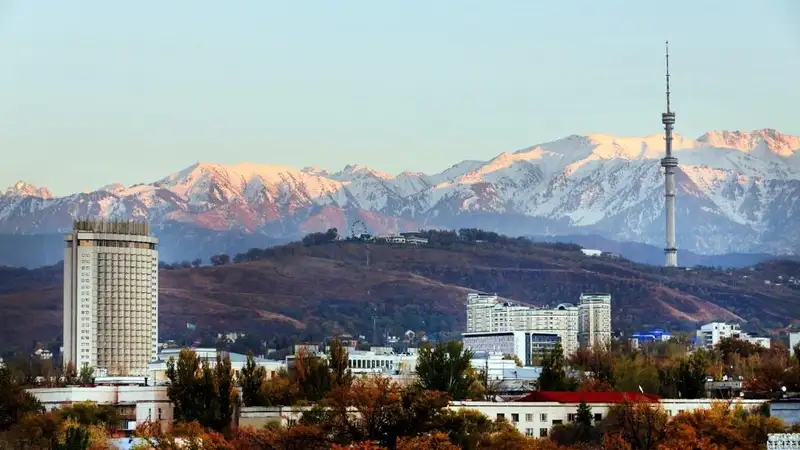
(588, 397)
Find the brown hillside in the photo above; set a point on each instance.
(317, 289)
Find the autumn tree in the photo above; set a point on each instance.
(312, 376)
(641, 424)
(724, 425)
(597, 361)
(446, 367)
(433, 441)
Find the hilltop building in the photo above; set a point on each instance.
(712, 333)
(110, 297)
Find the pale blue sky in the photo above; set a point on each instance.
(95, 92)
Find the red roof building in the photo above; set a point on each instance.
(588, 397)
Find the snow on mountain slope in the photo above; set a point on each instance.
(737, 191)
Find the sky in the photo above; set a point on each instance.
(98, 92)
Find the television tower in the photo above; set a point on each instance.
(669, 163)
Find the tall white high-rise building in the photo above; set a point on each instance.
(486, 314)
(594, 311)
(111, 297)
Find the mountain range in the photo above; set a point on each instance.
(737, 192)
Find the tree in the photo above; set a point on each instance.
(338, 362)
(183, 390)
(434, 441)
(641, 424)
(201, 393)
(197, 263)
(220, 260)
(86, 375)
(312, 376)
(251, 378)
(15, 401)
(583, 420)
(77, 438)
(447, 368)
(554, 375)
(228, 395)
(514, 358)
(691, 376)
(70, 374)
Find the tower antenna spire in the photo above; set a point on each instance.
(667, 58)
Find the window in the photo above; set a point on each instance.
(529, 432)
(501, 416)
(528, 417)
(571, 417)
(557, 421)
(514, 417)
(542, 432)
(543, 417)
(598, 417)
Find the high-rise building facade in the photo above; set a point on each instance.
(485, 313)
(594, 312)
(111, 297)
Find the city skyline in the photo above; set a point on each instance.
(394, 88)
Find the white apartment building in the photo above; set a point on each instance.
(712, 333)
(485, 313)
(594, 313)
(110, 297)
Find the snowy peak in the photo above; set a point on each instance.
(23, 189)
(357, 171)
(759, 142)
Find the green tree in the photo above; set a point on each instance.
(184, 389)
(200, 392)
(226, 391)
(583, 420)
(338, 363)
(251, 378)
(446, 368)
(554, 374)
(15, 401)
(691, 376)
(86, 376)
(76, 438)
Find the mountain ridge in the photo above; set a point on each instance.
(738, 198)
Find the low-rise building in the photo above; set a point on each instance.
(536, 413)
(135, 404)
(655, 335)
(158, 368)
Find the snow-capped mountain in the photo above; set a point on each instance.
(737, 192)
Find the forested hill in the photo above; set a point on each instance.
(323, 285)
